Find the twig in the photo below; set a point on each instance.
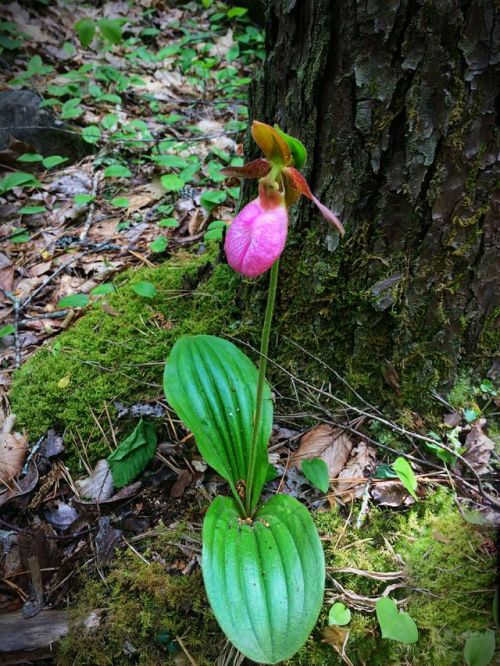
(364, 505)
(184, 649)
(91, 211)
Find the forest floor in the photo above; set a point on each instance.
(106, 260)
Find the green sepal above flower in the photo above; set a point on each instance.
(297, 148)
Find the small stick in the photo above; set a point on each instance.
(184, 649)
(364, 505)
(90, 214)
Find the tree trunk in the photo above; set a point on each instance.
(395, 101)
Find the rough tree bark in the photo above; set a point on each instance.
(397, 102)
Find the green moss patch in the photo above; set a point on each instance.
(449, 579)
(117, 350)
(449, 570)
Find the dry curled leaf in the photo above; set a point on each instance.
(332, 445)
(13, 447)
(361, 463)
(391, 493)
(99, 485)
(478, 447)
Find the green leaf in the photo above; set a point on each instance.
(173, 161)
(297, 148)
(85, 29)
(471, 415)
(160, 244)
(339, 615)
(316, 471)
(91, 134)
(7, 330)
(168, 222)
(384, 471)
(17, 179)
(212, 198)
(264, 580)
(480, 648)
(212, 386)
(236, 12)
(70, 109)
(19, 235)
(30, 157)
(53, 160)
(133, 454)
(74, 301)
(396, 625)
(117, 171)
(406, 475)
(103, 289)
(172, 182)
(83, 199)
(120, 202)
(144, 289)
(111, 30)
(31, 210)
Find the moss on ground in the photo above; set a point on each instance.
(450, 573)
(117, 350)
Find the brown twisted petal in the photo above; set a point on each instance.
(299, 184)
(256, 169)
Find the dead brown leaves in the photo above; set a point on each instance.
(13, 448)
(332, 445)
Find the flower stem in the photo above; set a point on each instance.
(264, 346)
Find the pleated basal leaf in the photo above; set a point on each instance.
(212, 386)
(264, 578)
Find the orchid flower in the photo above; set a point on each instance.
(257, 236)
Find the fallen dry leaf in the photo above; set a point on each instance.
(6, 273)
(391, 493)
(196, 222)
(99, 485)
(13, 448)
(361, 463)
(332, 445)
(478, 447)
(181, 484)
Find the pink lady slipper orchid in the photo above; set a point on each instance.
(257, 236)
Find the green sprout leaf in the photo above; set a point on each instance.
(316, 471)
(144, 289)
(172, 182)
(85, 29)
(7, 330)
(212, 198)
(406, 475)
(91, 134)
(120, 202)
(53, 161)
(339, 615)
(111, 30)
(480, 648)
(117, 171)
(83, 199)
(103, 289)
(74, 301)
(19, 235)
(395, 625)
(133, 454)
(160, 244)
(30, 157)
(31, 210)
(18, 179)
(168, 222)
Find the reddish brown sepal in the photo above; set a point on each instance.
(256, 169)
(298, 183)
